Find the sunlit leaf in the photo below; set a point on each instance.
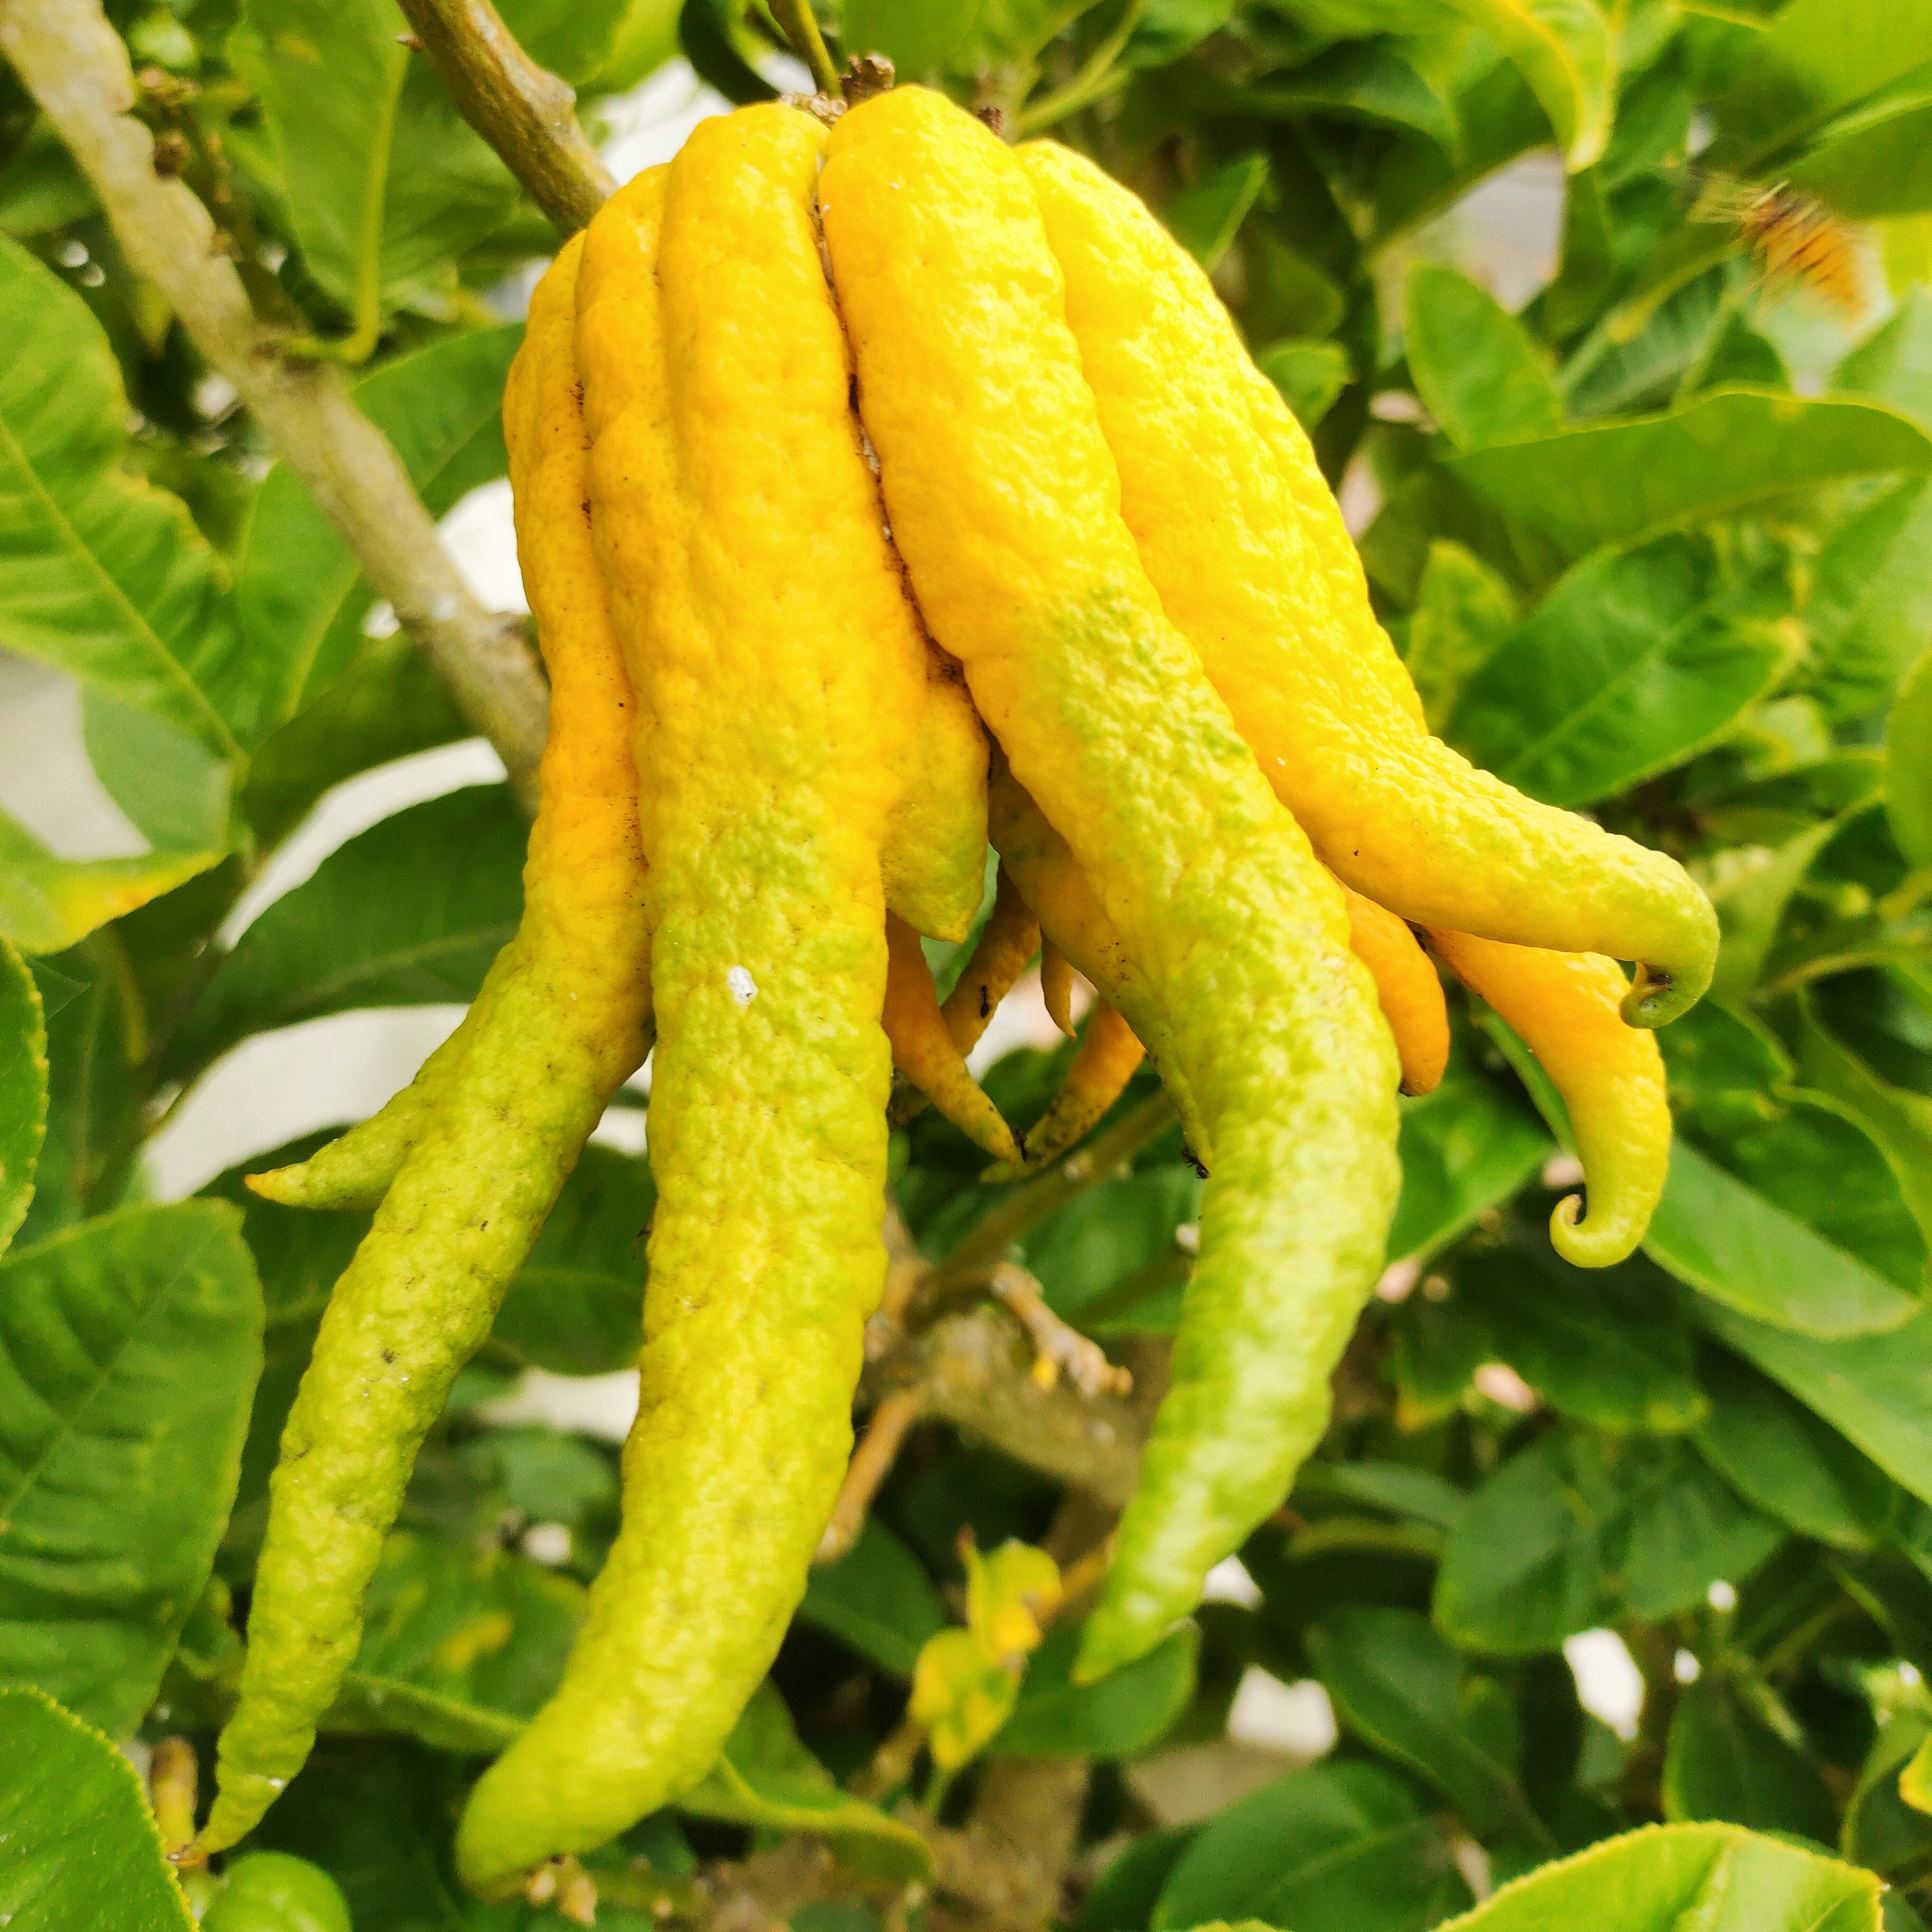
(23, 1088)
(1720, 455)
(1719, 1878)
(410, 913)
(82, 1849)
(766, 1777)
(1204, 219)
(1565, 50)
(385, 183)
(1291, 1853)
(129, 1347)
(104, 575)
(1477, 367)
(1627, 668)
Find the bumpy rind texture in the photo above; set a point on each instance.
(356, 1169)
(1243, 544)
(1407, 989)
(1565, 1007)
(567, 1026)
(767, 612)
(1004, 503)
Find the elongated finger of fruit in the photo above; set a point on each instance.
(1109, 1056)
(1009, 938)
(1407, 988)
(1566, 1008)
(563, 1030)
(1283, 626)
(771, 638)
(1042, 867)
(924, 1052)
(1056, 987)
(356, 1169)
(1003, 502)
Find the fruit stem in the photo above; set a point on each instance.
(800, 25)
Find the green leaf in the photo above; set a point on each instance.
(1737, 1246)
(1626, 668)
(1608, 1350)
(1775, 1452)
(878, 1600)
(1885, 1826)
(576, 1307)
(1915, 1782)
(1338, 1847)
(1373, 80)
(104, 576)
(1123, 1897)
(710, 32)
(174, 790)
(94, 1094)
(918, 36)
(387, 704)
(385, 183)
(1166, 29)
(1310, 375)
(1418, 1494)
(1563, 1532)
(1204, 219)
(1121, 1716)
(1893, 365)
(1872, 163)
(1670, 1878)
(1717, 455)
(1724, 1763)
(23, 1089)
(1818, 59)
(572, 38)
(1900, 1121)
(1563, 48)
(459, 1649)
(1463, 612)
(1108, 1259)
(1751, 906)
(81, 1848)
(1474, 365)
(1875, 1390)
(129, 1347)
(300, 597)
(410, 913)
(1465, 1148)
(1908, 763)
(1870, 604)
(1397, 1685)
(1780, 1202)
(48, 903)
(766, 1777)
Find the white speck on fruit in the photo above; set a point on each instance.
(744, 988)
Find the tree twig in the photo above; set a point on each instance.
(522, 110)
(872, 1462)
(1057, 1349)
(76, 68)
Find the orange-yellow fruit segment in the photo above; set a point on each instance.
(1564, 1008)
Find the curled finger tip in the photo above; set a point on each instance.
(1592, 1244)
